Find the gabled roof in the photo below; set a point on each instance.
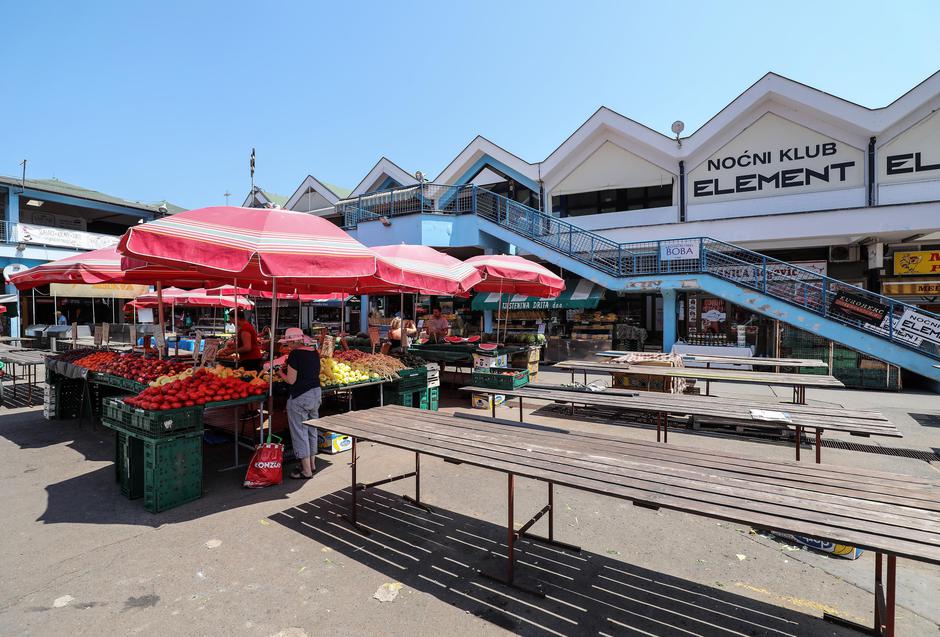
(457, 170)
(329, 192)
(171, 208)
(59, 187)
(264, 197)
(387, 167)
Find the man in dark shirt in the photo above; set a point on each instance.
(302, 373)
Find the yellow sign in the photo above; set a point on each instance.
(911, 288)
(98, 291)
(924, 262)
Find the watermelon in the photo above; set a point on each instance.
(453, 339)
(488, 347)
(473, 339)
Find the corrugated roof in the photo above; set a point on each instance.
(60, 187)
(339, 191)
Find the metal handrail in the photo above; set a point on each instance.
(791, 283)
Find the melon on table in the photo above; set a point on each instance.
(453, 339)
(488, 347)
(473, 339)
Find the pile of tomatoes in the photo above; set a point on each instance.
(141, 369)
(96, 360)
(199, 389)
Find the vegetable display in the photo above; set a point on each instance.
(197, 389)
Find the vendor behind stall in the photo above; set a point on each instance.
(248, 345)
(438, 327)
(399, 326)
(302, 373)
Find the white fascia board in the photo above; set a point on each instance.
(477, 148)
(385, 167)
(577, 155)
(311, 183)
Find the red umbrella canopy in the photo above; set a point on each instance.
(428, 271)
(198, 297)
(229, 291)
(254, 246)
(515, 275)
(105, 265)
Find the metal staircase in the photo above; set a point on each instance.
(871, 323)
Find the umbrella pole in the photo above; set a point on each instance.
(271, 348)
(93, 321)
(34, 305)
(237, 338)
(113, 316)
(160, 315)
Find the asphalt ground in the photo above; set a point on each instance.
(77, 558)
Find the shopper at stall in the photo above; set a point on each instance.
(248, 347)
(302, 373)
(400, 326)
(60, 319)
(438, 327)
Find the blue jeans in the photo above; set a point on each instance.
(304, 407)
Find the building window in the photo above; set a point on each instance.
(616, 200)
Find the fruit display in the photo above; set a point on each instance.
(411, 360)
(525, 339)
(199, 388)
(334, 372)
(140, 368)
(96, 361)
(75, 354)
(252, 378)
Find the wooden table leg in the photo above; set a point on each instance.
(818, 445)
(799, 438)
(665, 419)
(511, 531)
(520, 409)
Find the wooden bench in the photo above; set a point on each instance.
(890, 514)
(735, 411)
(798, 382)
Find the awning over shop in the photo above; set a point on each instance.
(578, 294)
(911, 288)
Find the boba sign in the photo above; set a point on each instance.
(679, 250)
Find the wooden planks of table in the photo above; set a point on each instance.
(756, 361)
(799, 382)
(890, 514)
(734, 410)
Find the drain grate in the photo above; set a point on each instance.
(901, 452)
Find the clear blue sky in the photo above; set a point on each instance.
(154, 100)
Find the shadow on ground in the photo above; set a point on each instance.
(438, 553)
(94, 496)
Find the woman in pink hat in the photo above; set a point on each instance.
(302, 373)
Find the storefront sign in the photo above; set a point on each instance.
(98, 291)
(775, 156)
(679, 250)
(713, 310)
(921, 262)
(919, 325)
(858, 308)
(914, 155)
(910, 288)
(47, 235)
(775, 271)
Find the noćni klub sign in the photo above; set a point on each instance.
(919, 326)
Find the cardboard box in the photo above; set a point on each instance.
(483, 401)
(490, 361)
(329, 442)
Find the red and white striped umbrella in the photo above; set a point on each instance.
(197, 298)
(429, 271)
(510, 274)
(106, 265)
(301, 252)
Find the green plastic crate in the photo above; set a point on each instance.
(172, 471)
(434, 394)
(152, 423)
(405, 399)
(496, 378)
(130, 465)
(410, 380)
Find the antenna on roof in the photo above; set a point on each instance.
(677, 127)
(23, 182)
(227, 195)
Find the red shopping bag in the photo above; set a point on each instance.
(265, 468)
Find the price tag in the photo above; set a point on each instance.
(161, 340)
(197, 345)
(74, 333)
(374, 334)
(98, 336)
(132, 332)
(209, 351)
(106, 332)
(421, 324)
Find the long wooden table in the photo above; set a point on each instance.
(30, 360)
(890, 514)
(735, 411)
(756, 361)
(798, 382)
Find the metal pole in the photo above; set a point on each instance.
(271, 348)
(511, 535)
(160, 315)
